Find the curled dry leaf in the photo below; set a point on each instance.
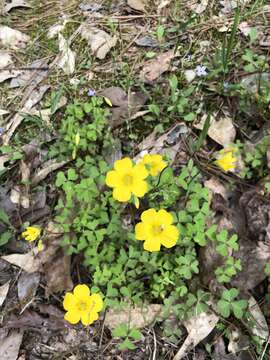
(5, 59)
(16, 3)
(137, 317)
(138, 5)
(28, 262)
(155, 67)
(116, 95)
(27, 286)
(66, 60)
(99, 41)
(216, 187)
(257, 323)
(55, 263)
(12, 39)
(47, 168)
(8, 74)
(10, 345)
(200, 7)
(198, 327)
(222, 131)
(3, 292)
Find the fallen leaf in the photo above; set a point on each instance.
(200, 7)
(66, 60)
(17, 197)
(222, 131)
(3, 112)
(55, 30)
(116, 95)
(12, 39)
(147, 41)
(10, 345)
(198, 327)
(16, 3)
(216, 187)
(229, 5)
(32, 100)
(32, 320)
(90, 6)
(5, 59)
(244, 27)
(138, 5)
(253, 82)
(3, 292)
(155, 67)
(256, 323)
(55, 263)
(36, 72)
(8, 74)
(47, 168)
(190, 75)
(28, 262)
(99, 41)
(162, 5)
(27, 286)
(137, 317)
(264, 40)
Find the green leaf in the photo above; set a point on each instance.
(5, 237)
(190, 117)
(120, 331)
(224, 308)
(60, 179)
(267, 269)
(230, 295)
(135, 334)
(238, 308)
(71, 175)
(4, 217)
(127, 344)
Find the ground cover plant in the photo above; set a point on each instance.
(135, 194)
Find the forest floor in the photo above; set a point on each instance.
(84, 84)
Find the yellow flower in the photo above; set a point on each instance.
(226, 159)
(154, 163)
(156, 229)
(82, 306)
(31, 233)
(127, 179)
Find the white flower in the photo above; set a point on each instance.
(201, 70)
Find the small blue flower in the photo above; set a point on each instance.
(201, 70)
(91, 92)
(2, 130)
(226, 86)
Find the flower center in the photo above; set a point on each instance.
(157, 229)
(82, 306)
(127, 179)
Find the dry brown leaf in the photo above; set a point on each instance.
(257, 323)
(162, 5)
(10, 345)
(47, 168)
(16, 3)
(28, 262)
(27, 286)
(137, 317)
(67, 57)
(5, 59)
(198, 327)
(8, 74)
(18, 197)
(99, 41)
(116, 95)
(200, 7)
(155, 67)
(216, 187)
(3, 292)
(138, 5)
(222, 131)
(55, 263)
(12, 39)
(32, 100)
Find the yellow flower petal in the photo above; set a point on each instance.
(112, 179)
(97, 302)
(121, 194)
(164, 217)
(139, 188)
(151, 245)
(140, 171)
(149, 215)
(141, 231)
(88, 318)
(31, 233)
(72, 316)
(169, 236)
(123, 165)
(69, 301)
(81, 291)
